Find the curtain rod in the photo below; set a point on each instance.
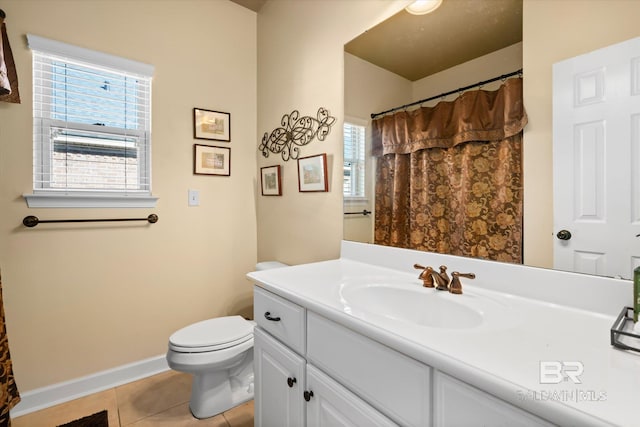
(442, 95)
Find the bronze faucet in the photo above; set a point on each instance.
(456, 286)
(425, 276)
(430, 278)
(443, 281)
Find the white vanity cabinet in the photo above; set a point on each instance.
(289, 392)
(458, 404)
(338, 377)
(367, 335)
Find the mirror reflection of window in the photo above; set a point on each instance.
(354, 161)
(358, 184)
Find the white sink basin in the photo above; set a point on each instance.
(423, 306)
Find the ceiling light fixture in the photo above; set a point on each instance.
(422, 7)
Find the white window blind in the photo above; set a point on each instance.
(354, 161)
(91, 123)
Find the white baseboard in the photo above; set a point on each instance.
(41, 398)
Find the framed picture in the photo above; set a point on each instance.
(271, 181)
(209, 124)
(312, 173)
(208, 160)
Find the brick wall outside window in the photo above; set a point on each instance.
(90, 171)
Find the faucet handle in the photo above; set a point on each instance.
(456, 286)
(426, 275)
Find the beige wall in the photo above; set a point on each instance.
(554, 30)
(84, 298)
(300, 62)
(367, 89)
(371, 89)
(502, 61)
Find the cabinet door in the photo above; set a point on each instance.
(458, 404)
(334, 406)
(400, 387)
(279, 383)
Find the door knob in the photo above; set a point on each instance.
(564, 235)
(291, 381)
(308, 395)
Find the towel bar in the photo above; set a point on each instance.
(363, 212)
(31, 221)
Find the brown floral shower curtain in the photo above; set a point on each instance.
(449, 177)
(9, 396)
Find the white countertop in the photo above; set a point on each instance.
(503, 358)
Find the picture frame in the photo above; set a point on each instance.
(209, 160)
(211, 125)
(271, 181)
(312, 173)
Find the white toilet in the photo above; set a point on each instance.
(219, 354)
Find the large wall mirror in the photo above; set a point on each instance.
(408, 58)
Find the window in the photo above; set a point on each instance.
(91, 128)
(354, 161)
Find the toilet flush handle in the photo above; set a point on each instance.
(267, 316)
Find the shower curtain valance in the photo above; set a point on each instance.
(474, 116)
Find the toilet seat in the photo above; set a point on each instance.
(211, 335)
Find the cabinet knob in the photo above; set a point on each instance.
(307, 395)
(291, 381)
(267, 316)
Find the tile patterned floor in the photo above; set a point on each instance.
(160, 400)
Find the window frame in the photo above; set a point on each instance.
(364, 124)
(46, 196)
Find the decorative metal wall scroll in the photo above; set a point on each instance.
(296, 132)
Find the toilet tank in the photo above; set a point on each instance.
(268, 265)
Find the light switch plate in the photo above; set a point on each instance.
(194, 198)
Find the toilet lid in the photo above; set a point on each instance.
(213, 334)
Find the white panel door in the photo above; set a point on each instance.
(596, 161)
(279, 383)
